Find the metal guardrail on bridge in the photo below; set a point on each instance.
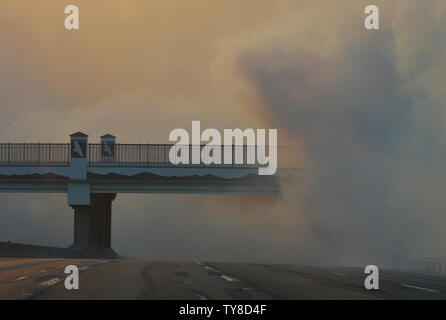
(157, 155)
(34, 154)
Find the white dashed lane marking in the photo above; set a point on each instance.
(51, 282)
(20, 279)
(210, 269)
(201, 297)
(420, 288)
(223, 276)
(229, 278)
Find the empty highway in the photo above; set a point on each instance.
(135, 279)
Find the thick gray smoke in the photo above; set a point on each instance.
(381, 94)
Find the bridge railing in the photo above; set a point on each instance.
(152, 155)
(34, 154)
(157, 155)
(420, 263)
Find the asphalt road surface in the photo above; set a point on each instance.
(135, 279)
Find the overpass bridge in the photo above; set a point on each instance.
(92, 175)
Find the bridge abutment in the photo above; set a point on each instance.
(92, 226)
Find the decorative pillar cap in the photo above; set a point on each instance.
(108, 136)
(79, 135)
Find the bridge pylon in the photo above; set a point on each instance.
(92, 226)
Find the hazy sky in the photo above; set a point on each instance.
(139, 68)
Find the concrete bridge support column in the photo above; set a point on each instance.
(92, 226)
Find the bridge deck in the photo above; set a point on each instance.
(146, 168)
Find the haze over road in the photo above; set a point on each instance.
(135, 279)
